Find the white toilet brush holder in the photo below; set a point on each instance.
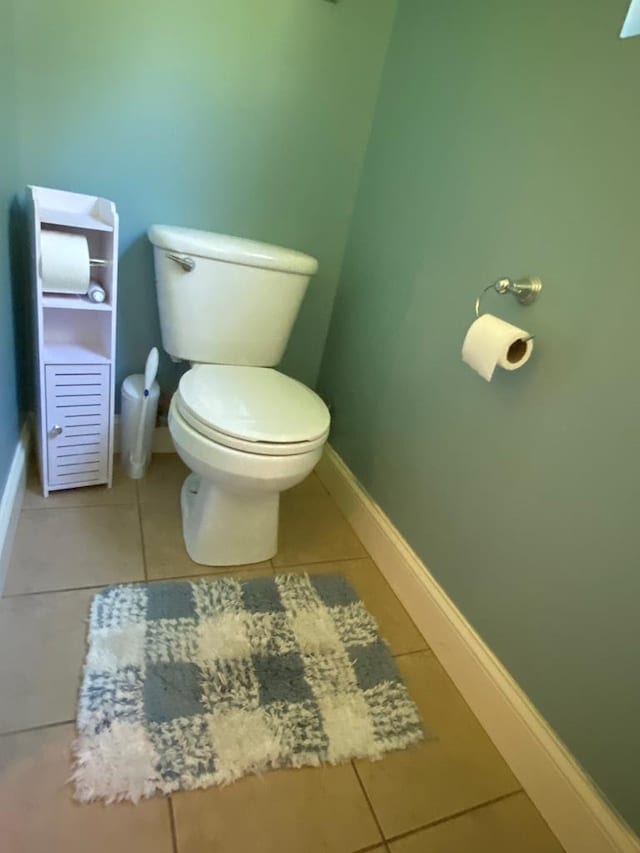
(140, 395)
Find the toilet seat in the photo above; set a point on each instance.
(252, 409)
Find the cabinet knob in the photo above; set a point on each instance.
(55, 431)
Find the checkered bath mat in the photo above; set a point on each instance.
(188, 685)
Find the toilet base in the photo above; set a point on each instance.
(226, 527)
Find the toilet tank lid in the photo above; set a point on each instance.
(234, 250)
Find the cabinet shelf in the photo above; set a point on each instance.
(72, 353)
(75, 303)
(72, 219)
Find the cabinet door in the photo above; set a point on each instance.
(78, 410)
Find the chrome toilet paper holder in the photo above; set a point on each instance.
(526, 290)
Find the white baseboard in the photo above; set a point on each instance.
(162, 441)
(11, 501)
(565, 796)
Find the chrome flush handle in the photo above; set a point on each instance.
(187, 263)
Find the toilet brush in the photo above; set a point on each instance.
(137, 454)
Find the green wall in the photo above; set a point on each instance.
(506, 142)
(8, 185)
(242, 116)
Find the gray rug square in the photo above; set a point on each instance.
(188, 685)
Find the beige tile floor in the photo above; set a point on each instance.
(451, 794)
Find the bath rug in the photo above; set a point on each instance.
(188, 685)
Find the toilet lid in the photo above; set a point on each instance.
(253, 404)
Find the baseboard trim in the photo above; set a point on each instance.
(11, 501)
(162, 441)
(566, 797)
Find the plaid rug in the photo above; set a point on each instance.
(188, 685)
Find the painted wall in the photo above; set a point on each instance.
(239, 116)
(506, 143)
(8, 185)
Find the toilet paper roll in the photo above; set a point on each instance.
(491, 342)
(64, 262)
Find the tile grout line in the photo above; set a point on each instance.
(232, 570)
(348, 523)
(322, 485)
(36, 728)
(196, 577)
(369, 803)
(7, 596)
(172, 824)
(139, 504)
(77, 506)
(455, 815)
(298, 564)
(426, 650)
(381, 845)
(140, 527)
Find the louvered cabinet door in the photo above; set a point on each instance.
(77, 424)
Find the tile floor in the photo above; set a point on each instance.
(451, 794)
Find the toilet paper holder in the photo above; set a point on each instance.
(526, 290)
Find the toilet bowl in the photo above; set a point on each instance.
(247, 432)
(231, 500)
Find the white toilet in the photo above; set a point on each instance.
(246, 431)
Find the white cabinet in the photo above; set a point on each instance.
(76, 343)
(77, 424)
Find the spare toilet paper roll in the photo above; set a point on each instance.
(96, 292)
(64, 262)
(490, 341)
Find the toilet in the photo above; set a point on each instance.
(246, 431)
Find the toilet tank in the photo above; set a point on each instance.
(226, 300)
